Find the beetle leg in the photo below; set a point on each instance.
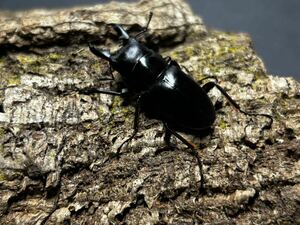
(186, 69)
(167, 137)
(191, 146)
(135, 124)
(92, 90)
(106, 78)
(111, 73)
(208, 86)
(208, 77)
(168, 60)
(146, 27)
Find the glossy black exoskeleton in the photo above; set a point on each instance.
(163, 91)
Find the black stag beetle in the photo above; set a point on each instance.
(163, 91)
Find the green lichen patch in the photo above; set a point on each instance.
(29, 62)
(96, 68)
(2, 176)
(2, 132)
(120, 112)
(55, 56)
(27, 59)
(118, 108)
(42, 63)
(223, 124)
(219, 54)
(64, 63)
(13, 80)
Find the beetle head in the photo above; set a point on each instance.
(125, 58)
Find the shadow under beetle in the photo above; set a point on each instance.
(162, 90)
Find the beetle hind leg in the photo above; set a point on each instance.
(209, 85)
(193, 150)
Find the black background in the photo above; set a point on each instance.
(274, 25)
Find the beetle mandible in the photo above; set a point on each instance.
(163, 91)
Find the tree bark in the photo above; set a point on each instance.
(57, 145)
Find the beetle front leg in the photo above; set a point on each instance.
(92, 90)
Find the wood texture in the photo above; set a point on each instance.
(57, 145)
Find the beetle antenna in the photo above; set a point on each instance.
(146, 27)
(149, 20)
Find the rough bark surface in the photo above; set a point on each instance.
(57, 146)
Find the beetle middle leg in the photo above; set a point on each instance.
(135, 124)
(122, 94)
(193, 150)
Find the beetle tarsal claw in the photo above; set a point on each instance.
(126, 142)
